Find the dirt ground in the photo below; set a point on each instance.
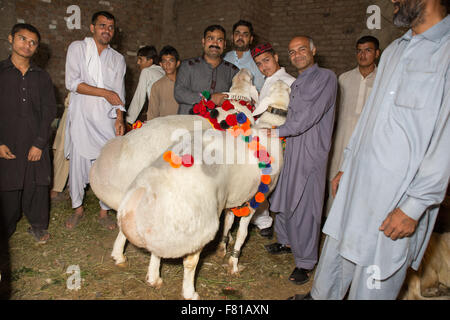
(40, 271)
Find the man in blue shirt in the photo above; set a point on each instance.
(241, 56)
(396, 166)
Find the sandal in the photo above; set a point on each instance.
(41, 236)
(73, 220)
(108, 222)
(277, 248)
(299, 276)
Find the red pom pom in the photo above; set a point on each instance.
(210, 104)
(227, 105)
(197, 108)
(243, 103)
(187, 160)
(231, 120)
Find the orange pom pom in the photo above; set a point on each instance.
(175, 159)
(167, 156)
(266, 179)
(260, 197)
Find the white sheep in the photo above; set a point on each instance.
(172, 212)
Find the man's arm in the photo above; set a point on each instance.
(183, 93)
(48, 114)
(430, 183)
(139, 97)
(154, 103)
(74, 81)
(318, 103)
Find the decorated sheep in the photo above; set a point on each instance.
(172, 208)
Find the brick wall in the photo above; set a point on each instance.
(334, 25)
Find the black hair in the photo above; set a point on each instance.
(214, 27)
(366, 39)
(106, 14)
(20, 26)
(245, 24)
(149, 52)
(169, 50)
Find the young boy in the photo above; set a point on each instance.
(150, 73)
(162, 101)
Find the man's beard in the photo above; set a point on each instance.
(242, 48)
(410, 13)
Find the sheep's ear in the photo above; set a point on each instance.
(254, 94)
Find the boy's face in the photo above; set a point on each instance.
(169, 63)
(143, 62)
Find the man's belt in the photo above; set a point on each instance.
(276, 111)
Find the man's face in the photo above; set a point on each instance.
(143, 62)
(300, 53)
(242, 38)
(267, 63)
(366, 54)
(213, 43)
(169, 63)
(103, 30)
(24, 43)
(408, 13)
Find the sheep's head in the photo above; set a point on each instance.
(276, 105)
(242, 86)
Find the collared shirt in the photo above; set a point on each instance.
(195, 76)
(246, 62)
(282, 75)
(27, 109)
(398, 155)
(162, 102)
(90, 119)
(354, 91)
(146, 80)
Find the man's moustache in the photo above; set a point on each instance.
(214, 47)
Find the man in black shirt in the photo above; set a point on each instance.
(27, 109)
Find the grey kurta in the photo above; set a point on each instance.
(195, 76)
(300, 190)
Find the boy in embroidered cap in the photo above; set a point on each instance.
(267, 62)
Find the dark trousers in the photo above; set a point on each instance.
(33, 201)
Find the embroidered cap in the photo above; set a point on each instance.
(260, 49)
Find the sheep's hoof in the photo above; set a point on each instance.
(157, 284)
(234, 269)
(122, 263)
(195, 296)
(221, 251)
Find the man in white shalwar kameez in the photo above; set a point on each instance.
(396, 167)
(355, 87)
(95, 76)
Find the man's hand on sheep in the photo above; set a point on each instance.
(272, 133)
(218, 98)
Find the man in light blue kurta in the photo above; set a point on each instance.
(396, 167)
(241, 56)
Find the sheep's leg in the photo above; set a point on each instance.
(117, 252)
(226, 238)
(240, 238)
(190, 264)
(153, 277)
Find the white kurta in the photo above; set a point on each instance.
(90, 120)
(282, 75)
(398, 155)
(146, 80)
(354, 91)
